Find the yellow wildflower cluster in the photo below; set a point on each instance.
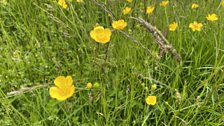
(101, 35)
(64, 87)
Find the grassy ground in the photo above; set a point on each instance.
(39, 41)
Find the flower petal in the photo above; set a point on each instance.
(61, 98)
(108, 32)
(92, 34)
(54, 92)
(71, 91)
(69, 81)
(66, 93)
(60, 81)
(98, 28)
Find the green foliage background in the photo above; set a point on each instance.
(40, 41)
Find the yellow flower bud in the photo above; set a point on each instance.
(89, 85)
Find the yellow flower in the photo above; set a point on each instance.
(126, 10)
(119, 25)
(129, 1)
(151, 100)
(212, 17)
(222, 3)
(101, 35)
(79, 1)
(173, 26)
(150, 9)
(194, 6)
(89, 85)
(164, 3)
(62, 3)
(63, 88)
(195, 26)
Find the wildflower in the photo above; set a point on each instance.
(151, 100)
(173, 26)
(101, 35)
(63, 88)
(195, 26)
(126, 10)
(89, 85)
(194, 6)
(62, 3)
(212, 17)
(150, 9)
(164, 3)
(79, 1)
(119, 25)
(129, 1)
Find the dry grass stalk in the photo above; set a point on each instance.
(25, 90)
(164, 44)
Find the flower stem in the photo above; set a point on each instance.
(105, 59)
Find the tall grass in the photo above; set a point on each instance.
(39, 41)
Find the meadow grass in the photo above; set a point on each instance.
(39, 41)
